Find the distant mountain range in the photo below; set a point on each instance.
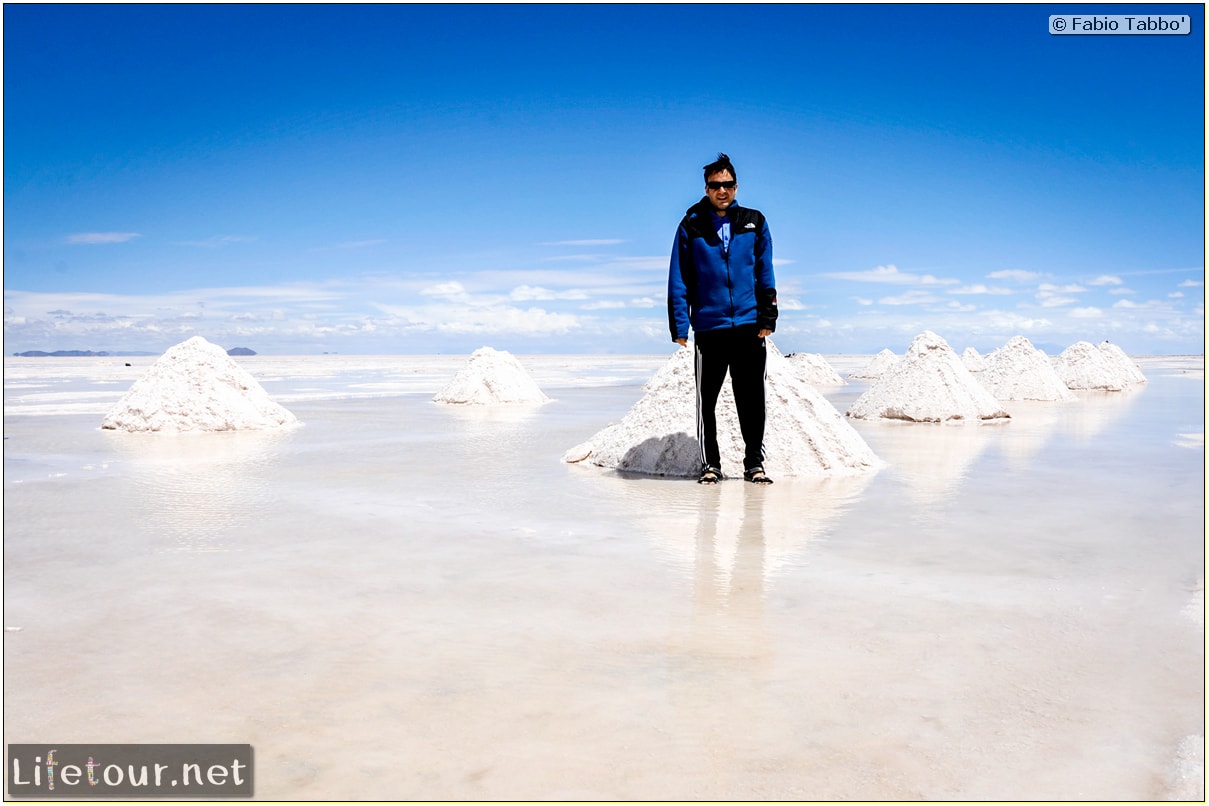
(102, 353)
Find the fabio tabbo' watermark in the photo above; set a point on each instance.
(1120, 24)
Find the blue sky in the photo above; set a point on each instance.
(432, 179)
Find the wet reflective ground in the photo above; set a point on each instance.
(402, 600)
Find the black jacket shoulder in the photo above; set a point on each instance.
(697, 219)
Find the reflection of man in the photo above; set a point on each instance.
(721, 284)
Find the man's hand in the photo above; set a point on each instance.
(682, 342)
(765, 333)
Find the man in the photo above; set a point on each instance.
(721, 284)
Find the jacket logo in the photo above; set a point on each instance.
(749, 225)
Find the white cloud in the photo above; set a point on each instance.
(616, 277)
(1053, 296)
(450, 312)
(910, 298)
(502, 319)
(1106, 279)
(979, 288)
(778, 261)
(1052, 301)
(1176, 295)
(473, 319)
(523, 293)
(1153, 304)
(102, 237)
(129, 322)
(453, 291)
(1191, 284)
(1016, 275)
(889, 274)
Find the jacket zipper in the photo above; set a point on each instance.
(730, 284)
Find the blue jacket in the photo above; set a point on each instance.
(711, 288)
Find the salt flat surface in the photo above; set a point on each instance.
(403, 600)
(43, 386)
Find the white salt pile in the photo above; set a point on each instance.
(928, 385)
(1084, 366)
(804, 434)
(814, 369)
(1116, 357)
(196, 386)
(877, 367)
(1186, 779)
(1195, 609)
(972, 360)
(492, 377)
(1019, 371)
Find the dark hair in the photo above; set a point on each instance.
(719, 165)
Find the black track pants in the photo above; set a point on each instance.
(741, 351)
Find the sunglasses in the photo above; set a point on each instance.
(719, 185)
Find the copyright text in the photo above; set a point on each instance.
(104, 771)
(1120, 24)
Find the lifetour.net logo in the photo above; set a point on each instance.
(76, 771)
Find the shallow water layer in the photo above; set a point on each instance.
(404, 600)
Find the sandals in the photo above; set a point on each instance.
(756, 475)
(712, 475)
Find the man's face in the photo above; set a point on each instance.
(720, 190)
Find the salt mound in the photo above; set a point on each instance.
(1019, 371)
(929, 385)
(491, 377)
(804, 434)
(1186, 778)
(1082, 366)
(972, 360)
(196, 386)
(1116, 357)
(877, 367)
(1195, 609)
(814, 369)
